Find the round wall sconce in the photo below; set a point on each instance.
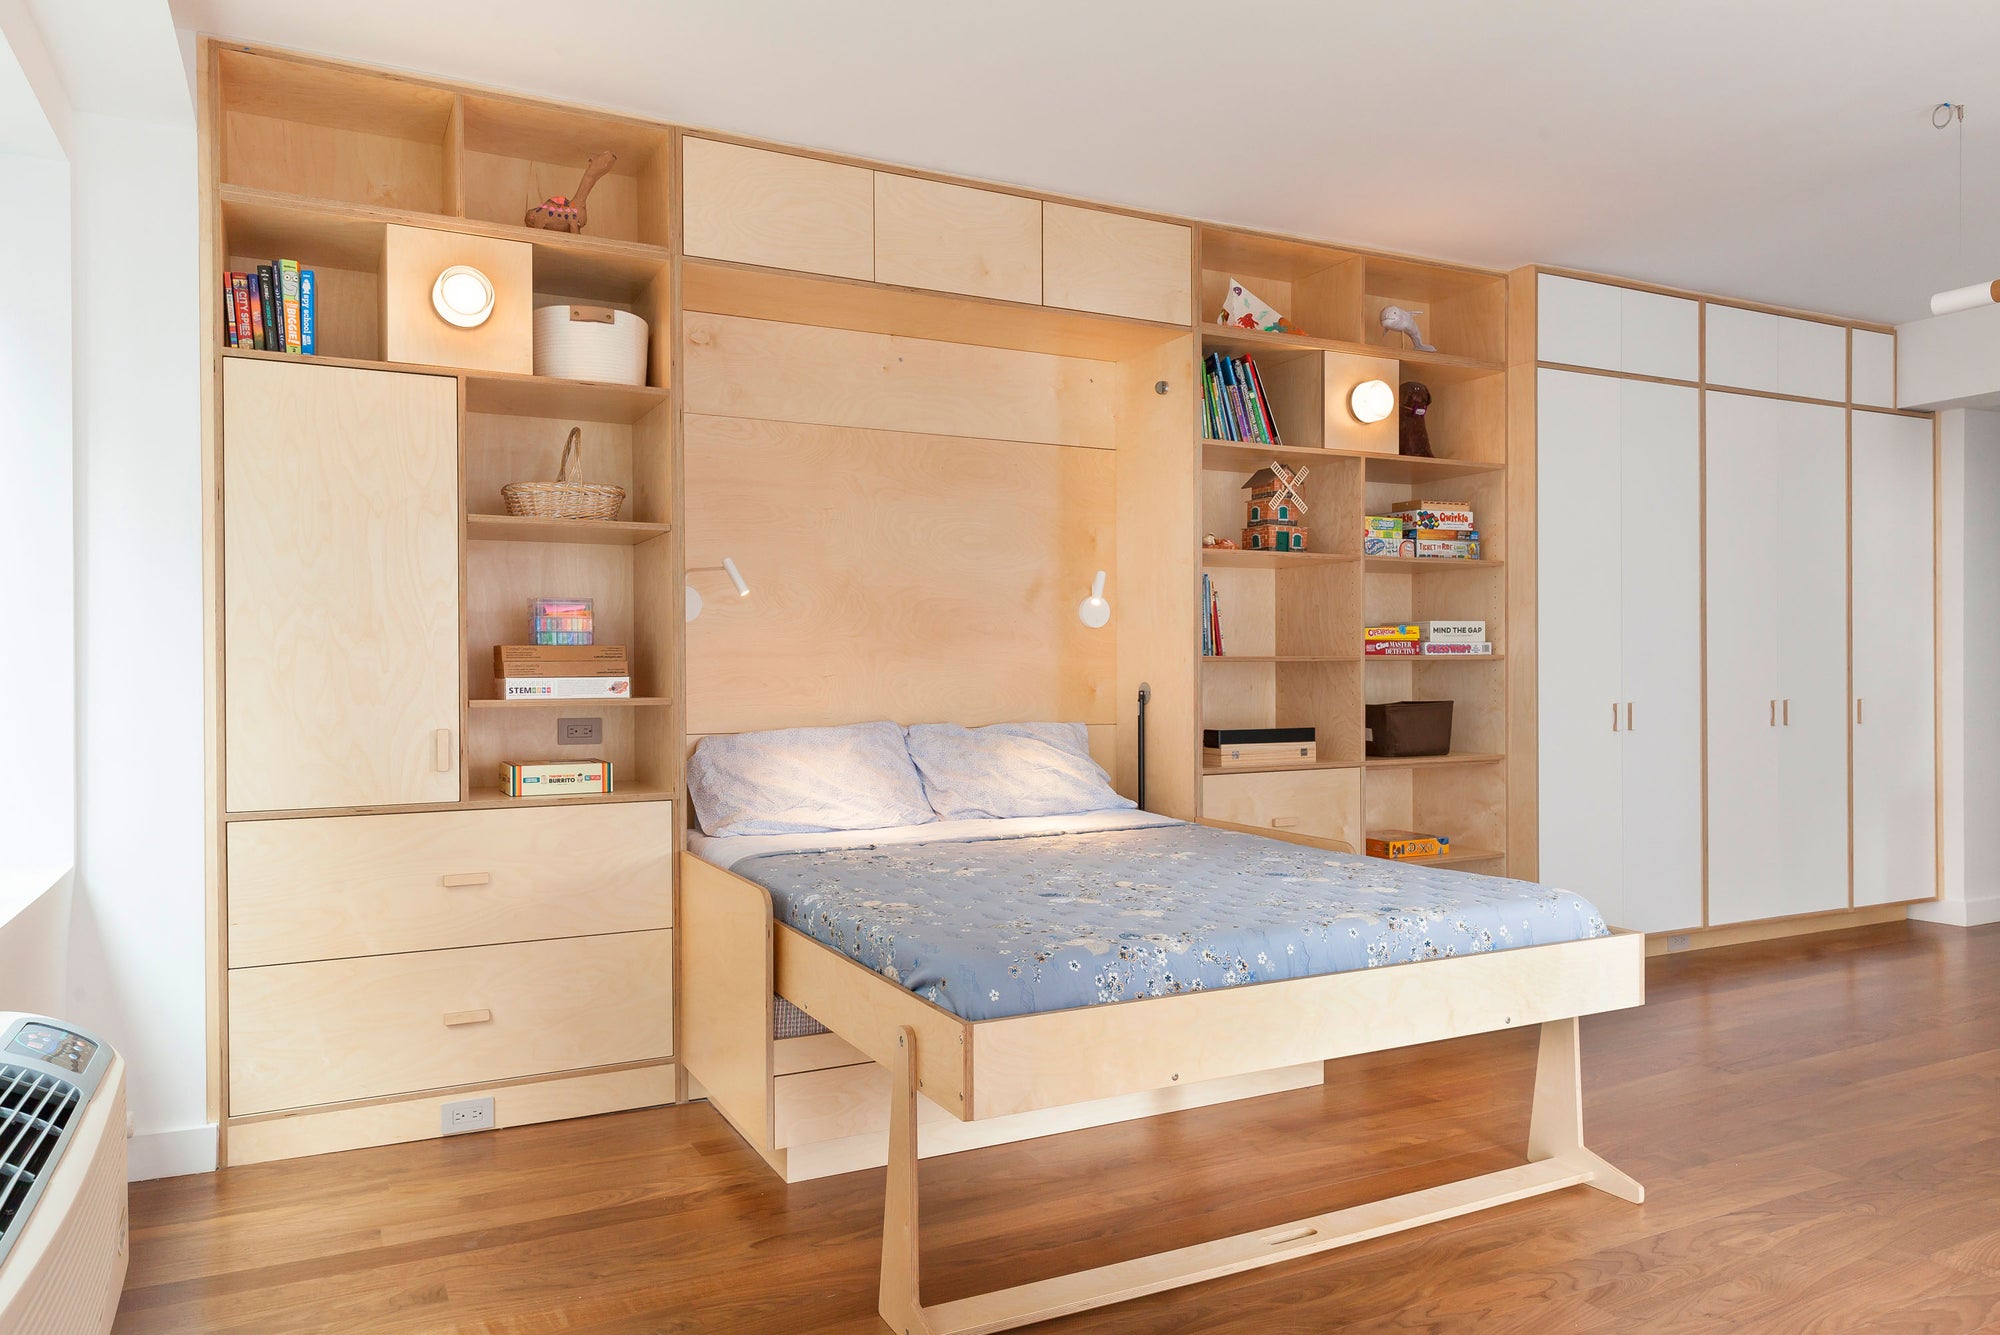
(1095, 611)
(1371, 401)
(463, 296)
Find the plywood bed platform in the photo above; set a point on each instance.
(977, 1070)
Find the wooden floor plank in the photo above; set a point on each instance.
(1814, 1121)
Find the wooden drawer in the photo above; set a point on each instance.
(328, 887)
(759, 207)
(308, 1034)
(1115, 264)
(1325, 803)
(954, 238)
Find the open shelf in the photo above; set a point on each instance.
(1457, 854)
(1411, 469)
(622, 792)
(1278, 768)
(505, 393)
(1443, 366)
(1430, 762)
(577, 706)
(1231, 455)
(599, 532)
(517, 154)
(1237, 558)
(1406, 564)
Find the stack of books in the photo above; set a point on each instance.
(1430, 529)
(1258, 748)
(562, 672)
(273, 309)
(1211, 620)
(1426, 639)
(1234, 405)
(560, 620)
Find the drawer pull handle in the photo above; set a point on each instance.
(461, 879)
(453, 1019)
(447, 754)
(1284, 822)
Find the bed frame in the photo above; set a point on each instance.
(996, 1068)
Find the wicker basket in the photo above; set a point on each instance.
(563, 498)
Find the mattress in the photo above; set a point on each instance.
(994, 922)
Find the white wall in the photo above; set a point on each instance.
(1969, 646)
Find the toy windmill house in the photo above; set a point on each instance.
(1272, 514)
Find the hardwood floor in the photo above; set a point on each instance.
(1817, 1124)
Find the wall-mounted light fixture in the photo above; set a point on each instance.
(728, 567)
(1094, 611)
(463, 296)
(1371, 401)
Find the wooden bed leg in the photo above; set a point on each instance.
(899, 1305)
(1555, 1126)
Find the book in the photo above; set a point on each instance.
(565, 688)
(288, 298)
(257, 338)
(1270, 418)
(1390, 649)
(239, 284)
(1454, 632)
(308, 302)
(1221, 737)
(562, 778)
(1403, 631)
(274, 312)
(1215, 616)
(1400, 844)
(1207, 615)
(229, 310)
(1456, 649)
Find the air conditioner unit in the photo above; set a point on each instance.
(62, 1179)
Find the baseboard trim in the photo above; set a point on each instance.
(154, 1154)
(1959, 912)
(1772, 929)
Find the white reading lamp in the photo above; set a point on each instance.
(1094, 611)
(728, 567)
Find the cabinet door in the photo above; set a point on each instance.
(1895, 739)
(1742, 348)
(1747, 859)
(1576, 322)
(1812, 359)
(778, 209)
(1809, 506)
(954, 238)
(1578, 594)
(1659, 335)
(1660, 565)
(340, 586)
(1874, 370)
(1116, 264)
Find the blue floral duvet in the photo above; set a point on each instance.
(1012, 926)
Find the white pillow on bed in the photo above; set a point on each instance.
(1010, 769)
(806, 781)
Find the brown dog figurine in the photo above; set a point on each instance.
(1414, 435)
(566, 213)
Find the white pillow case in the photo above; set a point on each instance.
(806, 781)
(1010, 769)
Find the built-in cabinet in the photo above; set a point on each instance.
(1619, 687)
(1700, 582)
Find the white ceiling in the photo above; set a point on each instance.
(1779, 150)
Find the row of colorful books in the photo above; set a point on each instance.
(1441, 529)
(1234, 404)
(1211, 619)
(274, 308)
(1427, 639)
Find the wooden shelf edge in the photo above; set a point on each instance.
(1238, 556)
(591, 532)
(1458, 853)
(1229, 455)
(1279, 658)
(651, 395)
(624, 702)
(1296, 766)
(1434, 658)
(1428, 762)
(1277, 342)
(1430, 563)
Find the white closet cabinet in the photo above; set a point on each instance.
(1895, 738)
(1777, 658)
(1614, 328)
(1620, 635)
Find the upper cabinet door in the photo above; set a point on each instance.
(340, 586)
(777, 209)
(1742, 348)
(1116, 264)
(1874, 369)
(1812, 359)
(1660, 335)
(1895, 737)
(954, 238)
(1577, 322)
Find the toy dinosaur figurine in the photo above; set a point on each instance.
(565, 213)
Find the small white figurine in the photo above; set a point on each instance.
(1399, 321)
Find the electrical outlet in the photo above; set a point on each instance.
(579, 732)
(1679, 941)
(468, 1115)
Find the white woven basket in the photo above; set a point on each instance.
(580, 343)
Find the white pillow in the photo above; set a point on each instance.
(806, 781)
(1010, 769)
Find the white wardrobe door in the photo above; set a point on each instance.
(1742, 348)
(1660, 474)
(1576, 323)
(1577, 596)
(1810, 506)
(1895, 775)
(1812, 359)
(1747, 858)
(1661, 335)
(1874, 368)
